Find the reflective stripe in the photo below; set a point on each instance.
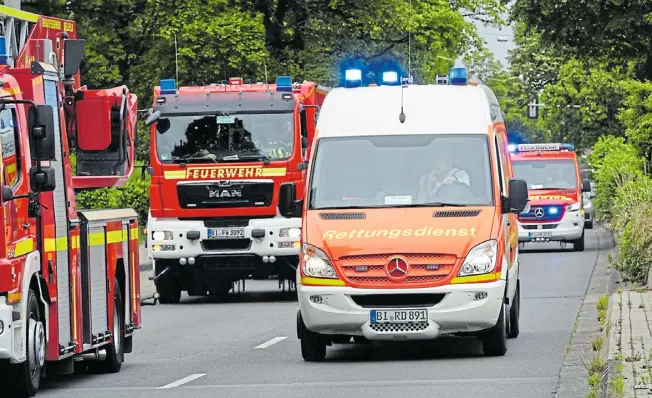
(23, 247)
(321, 281)
(476, 278)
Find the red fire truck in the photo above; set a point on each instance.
(219, 154)
(69, 278)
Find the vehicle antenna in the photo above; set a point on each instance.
(176, 59)
(405, 82)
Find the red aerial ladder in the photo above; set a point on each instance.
(69, 278)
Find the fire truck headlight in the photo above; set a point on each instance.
(290, 232)
(480, 260)
(162, 235)
(162, 248)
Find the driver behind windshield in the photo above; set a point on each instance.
(442, 173)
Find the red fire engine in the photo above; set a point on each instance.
(69, 278)
(219, 154)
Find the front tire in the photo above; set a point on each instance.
(169, 289)
(514, 313)
(588, 224)
(313, 346)
(494, 342)
(29, 373)
(115, 350)
(578, 244)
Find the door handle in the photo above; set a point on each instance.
(25, 226)
(509, 223)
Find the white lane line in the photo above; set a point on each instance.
(183, 381)
(271, 342)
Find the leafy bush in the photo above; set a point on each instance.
(614, 163)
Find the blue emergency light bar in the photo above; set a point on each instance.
(390, 77)
(554, 147)
(168, 86)
(284, 84)
(3, 50)
(457, 76)
(353, 77)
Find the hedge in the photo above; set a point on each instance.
(624, 200)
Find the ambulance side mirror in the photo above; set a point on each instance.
(42, 180)
(41, 129)
(518, 196)
(288, 206)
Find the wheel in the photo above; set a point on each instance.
(588, 224)
(360, 340)
(313, 346)
(578, 244)
(514, 313)
(169, 289)
(494, 342)
(115, 351)
(29, 373)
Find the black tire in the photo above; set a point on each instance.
(514, 313)
(588, 225)
(578, 244)
(169, 289)
(28, 374)
(494, 342)
(360, 340)
(115, 350)
(313, 348)
(341, 339)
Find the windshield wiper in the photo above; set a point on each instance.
(552, 188)
(236, 157)
(201, 155)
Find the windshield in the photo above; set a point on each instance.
(213, 138)
(547, 174)
(406, 170)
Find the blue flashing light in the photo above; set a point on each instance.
(353, 77)
(390, 77)
(457, 76)
(511, 148)
(284, 84)
(168, 86)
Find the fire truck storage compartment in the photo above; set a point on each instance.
(100, 140)
(100, 228)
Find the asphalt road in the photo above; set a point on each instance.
(246, 346)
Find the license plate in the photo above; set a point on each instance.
(398, 316)
(540, 234)
(225, 233)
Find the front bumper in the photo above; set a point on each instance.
(458, 311)
(6, 330)
(267, 245)
(569, 228)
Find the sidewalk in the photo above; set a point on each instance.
(145, 262)
(630, 344)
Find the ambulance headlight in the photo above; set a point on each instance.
(480, 260)
(290, 232)
(162, 235)
(316, 263)
(574, 207)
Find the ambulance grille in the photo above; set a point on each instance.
(387, 256)
(384, 280)
(413, 327)
(455, 213)
(342, 216)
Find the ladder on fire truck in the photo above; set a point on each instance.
(15, 25)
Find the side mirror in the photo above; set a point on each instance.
(42, 180)
(286, 199)
(302, 166)
(152, 117)
(518, 195)
(73, 52)
(7, 194)
(586, 185)
(41, 122)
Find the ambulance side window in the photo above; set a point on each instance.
(501, 174)
(10, 153)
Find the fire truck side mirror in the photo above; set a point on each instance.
(41, 122)
(286, 199)
(7, 193)
(152, 117)
(42, 180)
(73, 52)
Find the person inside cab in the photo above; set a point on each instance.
(441, 175)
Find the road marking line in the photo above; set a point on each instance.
(183, 381)
(271, 342)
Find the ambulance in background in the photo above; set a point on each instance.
(388, 251)
(556, 208)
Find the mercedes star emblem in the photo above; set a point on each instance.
(538, 212)
(397, 269)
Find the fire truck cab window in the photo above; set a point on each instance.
(10, 154)
(215, 138)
